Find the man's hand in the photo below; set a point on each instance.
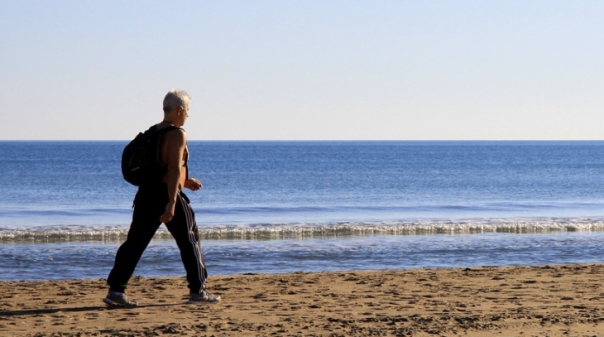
(193, 184)
(168, 214)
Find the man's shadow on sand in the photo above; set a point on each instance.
(78, 309)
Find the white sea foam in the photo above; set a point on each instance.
(67, 233)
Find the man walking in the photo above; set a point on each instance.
(162, 200)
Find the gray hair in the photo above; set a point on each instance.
(175, 98)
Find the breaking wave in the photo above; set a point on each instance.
(109, 234)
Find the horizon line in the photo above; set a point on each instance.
(316, 140)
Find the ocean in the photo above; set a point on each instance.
(277, 206)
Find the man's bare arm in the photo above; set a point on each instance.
(175, 146)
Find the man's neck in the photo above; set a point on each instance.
(166, 122)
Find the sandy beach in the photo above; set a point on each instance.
(565, 300)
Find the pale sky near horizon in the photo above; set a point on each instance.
(304, 70)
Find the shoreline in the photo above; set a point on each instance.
(548, 300)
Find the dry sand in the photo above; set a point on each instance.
(488, 301)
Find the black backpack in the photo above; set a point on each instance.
(140, 158)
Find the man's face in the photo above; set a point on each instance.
(183, 113)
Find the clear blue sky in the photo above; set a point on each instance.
(297, 70)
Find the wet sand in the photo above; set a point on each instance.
(563, 300)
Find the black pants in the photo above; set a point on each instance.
(150, 202)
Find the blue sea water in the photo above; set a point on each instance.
(271, 207)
